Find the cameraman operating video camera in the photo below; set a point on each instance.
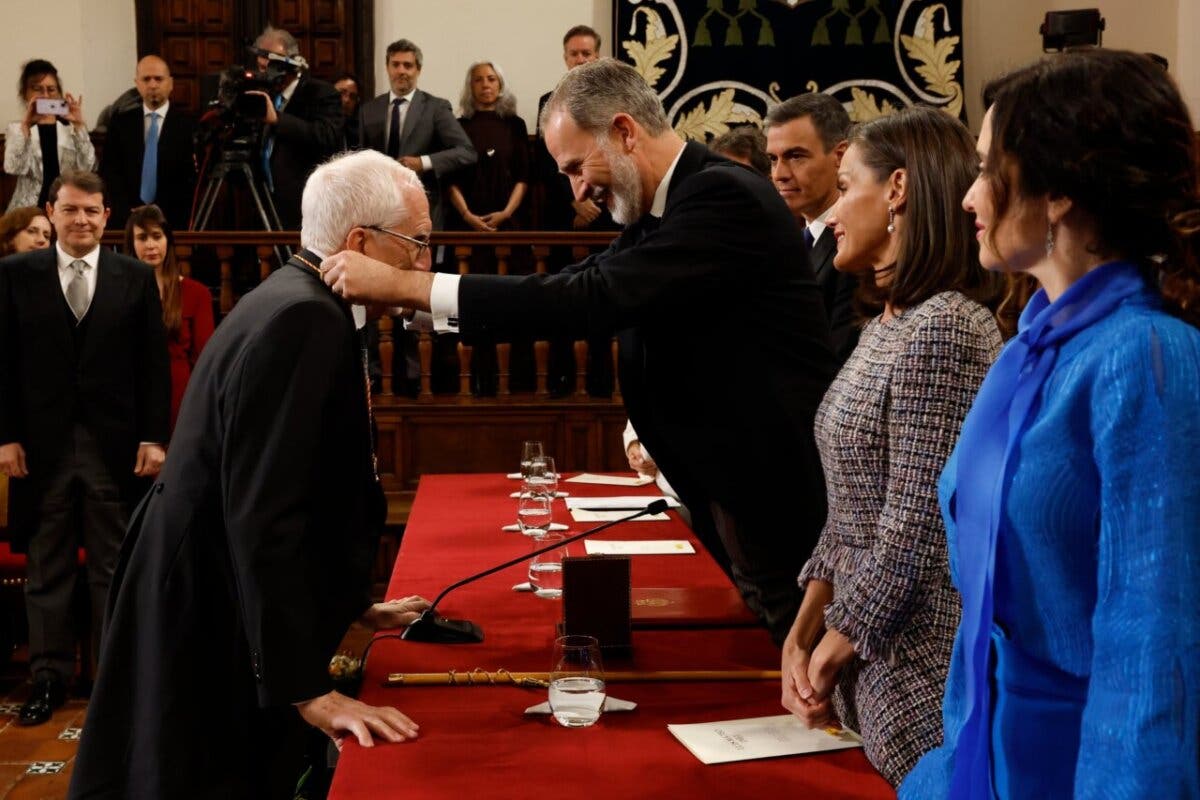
(303, 123)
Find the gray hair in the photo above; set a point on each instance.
(828, 116)
(404, 46)
(592, 94)
(506, 101)
(357, 189)
(291, 48)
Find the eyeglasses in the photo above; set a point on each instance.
(422, 243)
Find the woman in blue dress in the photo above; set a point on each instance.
(1072, 500)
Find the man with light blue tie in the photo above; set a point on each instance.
(148, 154)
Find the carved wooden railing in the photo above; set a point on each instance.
(456, 431)
(226, 246)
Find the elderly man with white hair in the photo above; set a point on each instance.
(250, 557)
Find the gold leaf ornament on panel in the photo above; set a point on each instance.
(864, 107)
(936, 68)
(655, 48)
(713, 119)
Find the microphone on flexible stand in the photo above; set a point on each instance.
(430, 627)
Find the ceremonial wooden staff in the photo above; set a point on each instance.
(503, 677)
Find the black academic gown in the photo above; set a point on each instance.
(245, 563)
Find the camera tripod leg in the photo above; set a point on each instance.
(208, 200)
(266, 211)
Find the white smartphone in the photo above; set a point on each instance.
(50, 105)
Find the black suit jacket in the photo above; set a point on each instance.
(723, 279)
(430, 129)
(248, 561)
(117, 384)
(309, 131)
(837, 293)
(124, 147)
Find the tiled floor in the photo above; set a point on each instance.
(35, 763)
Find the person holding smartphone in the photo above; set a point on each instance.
(50, 139)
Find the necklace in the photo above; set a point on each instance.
(308, 263)
(366, 381)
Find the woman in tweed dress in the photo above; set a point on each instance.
(871, 643)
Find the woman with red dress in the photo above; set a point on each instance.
(187, 304)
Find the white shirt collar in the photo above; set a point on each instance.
(289, 90)
(660, 194)
(65, 259)
(161, 110)
(817, 226)
(392, 96)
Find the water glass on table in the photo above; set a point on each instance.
(545, 570)
(534, 514)
(542, 477)
(576, 681)
(531, 449)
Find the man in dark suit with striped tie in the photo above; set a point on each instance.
(84, 407)
(806, 138)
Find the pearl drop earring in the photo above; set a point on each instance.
(891, 228)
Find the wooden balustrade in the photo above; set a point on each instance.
(458, 431)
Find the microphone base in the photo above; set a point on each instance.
(440, 630)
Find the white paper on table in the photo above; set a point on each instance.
(632, 503)
(610, 704)
(660, 547)
(514, 476)
(759, 737)
(610, 480)
(587, 515)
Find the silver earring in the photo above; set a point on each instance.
(1049, 240)
(891, 228)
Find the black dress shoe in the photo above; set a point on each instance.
(45, 696)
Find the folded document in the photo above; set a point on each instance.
(759, 737)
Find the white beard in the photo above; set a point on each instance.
(625, 191)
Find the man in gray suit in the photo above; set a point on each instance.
(414, 127)
(420, 131)
(806, 138)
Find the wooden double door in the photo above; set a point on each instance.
(199, 38)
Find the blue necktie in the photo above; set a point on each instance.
(150, 161)
(269, 147)
(809, 241)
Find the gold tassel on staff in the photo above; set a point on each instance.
(502, 677)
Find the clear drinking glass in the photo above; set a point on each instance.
(545, 570)
(534, 514)
(542, 477)
(577, 681)
(530, 449)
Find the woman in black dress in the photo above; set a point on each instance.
(487, 196)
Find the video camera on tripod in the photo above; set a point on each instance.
(231, 132)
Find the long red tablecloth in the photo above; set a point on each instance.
(477, 742)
